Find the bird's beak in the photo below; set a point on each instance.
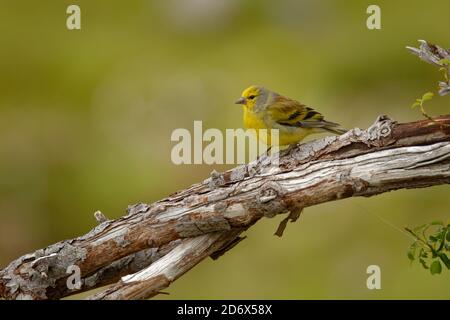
(241, 100)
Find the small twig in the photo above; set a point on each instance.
(100, 217)
(292, 216)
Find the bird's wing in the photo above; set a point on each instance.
(292, 113)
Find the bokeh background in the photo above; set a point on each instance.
(86, 118)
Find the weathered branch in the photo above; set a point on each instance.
(161, 241)
(149, 281)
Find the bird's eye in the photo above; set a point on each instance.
(251, 97)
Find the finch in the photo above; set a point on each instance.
(265, 109)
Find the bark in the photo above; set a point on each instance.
(154, 244)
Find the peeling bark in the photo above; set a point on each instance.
(158, 276)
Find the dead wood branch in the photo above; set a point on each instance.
(156, 243)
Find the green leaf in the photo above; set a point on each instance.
(437, 223)
(447, 237)
(415, 104)
(436, 267)
(427, 96)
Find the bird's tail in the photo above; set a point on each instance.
(322, 125)
(337, 131)
(332, 127)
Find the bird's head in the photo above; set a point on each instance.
(254, 97)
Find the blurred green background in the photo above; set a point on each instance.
(86, 118)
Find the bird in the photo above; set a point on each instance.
(265, 109)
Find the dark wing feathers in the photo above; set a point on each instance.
(294, 114)
(311, 114)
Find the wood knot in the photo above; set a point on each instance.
(270, 195)
(350, 185)
(42, 264)
(382, 128)
(267, 195)
(271, 190)
(359, 185)
(216, 179)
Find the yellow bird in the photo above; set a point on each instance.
(265, 109)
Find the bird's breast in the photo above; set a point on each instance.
(253, 121)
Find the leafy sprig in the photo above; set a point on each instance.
(445, 68)
(420, 103)
(431, 246)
